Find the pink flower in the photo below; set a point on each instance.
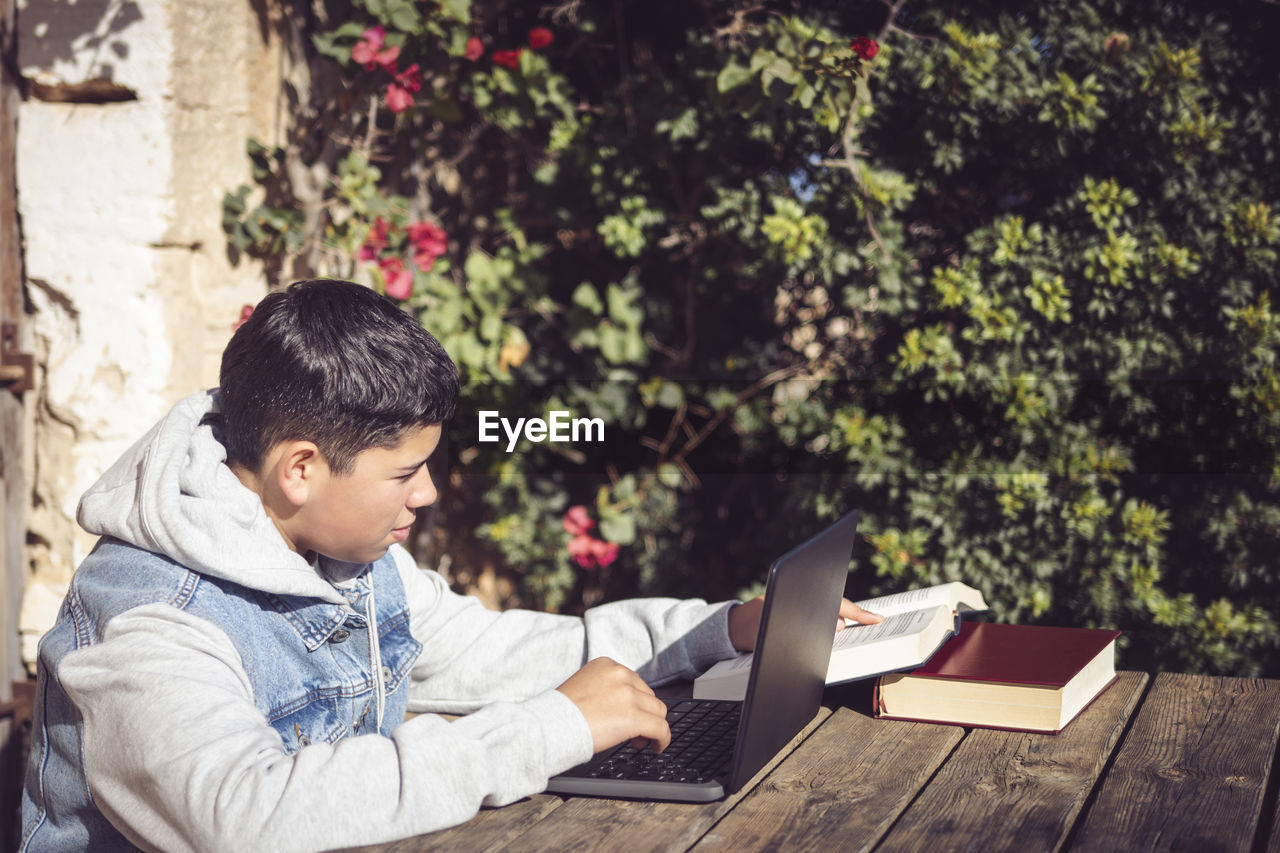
(399, 281)
(581, 551)
(245, 313)
(604, 552)
(410, 78)
(507, 58)
(577, 521)
(592, 553)
(369, 53)
(387, 59)
(584, 549)
(474, 49)
(424, 260)
(428, 238)
(376, 241)
(398, 98)
(366, 50)
(866, 48)
(540, 37)
(429, 242)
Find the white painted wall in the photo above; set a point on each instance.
(126, 264)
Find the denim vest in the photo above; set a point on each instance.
(309, 663)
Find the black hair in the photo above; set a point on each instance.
(331, 362)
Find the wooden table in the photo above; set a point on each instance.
(1170, 762)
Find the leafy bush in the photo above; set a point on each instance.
(1002, 281)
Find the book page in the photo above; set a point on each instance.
(897, 625)
(729, 666)
(955, 595)
(912, 599)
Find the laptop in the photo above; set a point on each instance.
(718, 746)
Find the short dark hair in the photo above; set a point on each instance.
(331, 362)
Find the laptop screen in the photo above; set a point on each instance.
(793, 648)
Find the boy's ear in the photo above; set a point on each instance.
(297, 469)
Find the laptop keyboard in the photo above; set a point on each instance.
(703, 733)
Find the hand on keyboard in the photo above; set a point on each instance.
(618, 706)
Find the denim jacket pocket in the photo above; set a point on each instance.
(325, 719)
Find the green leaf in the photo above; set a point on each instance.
(459, 10)
(622, 306)
(478, 269)
(619, 528)
(586, 296)
(613, 344)
(732, 76)
(491, 327)
(404, 17)
(670, 395)
(669, 475)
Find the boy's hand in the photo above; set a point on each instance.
(618, 706)
(744, 621)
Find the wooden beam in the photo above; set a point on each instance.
(1192, 773)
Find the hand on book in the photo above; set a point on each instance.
(744, 621)
(618, 706)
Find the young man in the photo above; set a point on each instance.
(232, 665)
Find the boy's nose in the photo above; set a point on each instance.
(425, 492)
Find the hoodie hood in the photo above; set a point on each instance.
(172, 494)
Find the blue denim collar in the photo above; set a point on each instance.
(314, 620)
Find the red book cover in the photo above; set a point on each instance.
(1016, 654)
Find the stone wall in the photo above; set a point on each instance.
(133, 126)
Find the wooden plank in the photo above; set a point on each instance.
(489, 830)
(841, 789)
(586, 823)
(1273, 843)
(1192, 772)
(1004, 790)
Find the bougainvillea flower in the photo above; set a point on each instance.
(474, 49)
(424, 260)
(386, 59)
(428, 237)
(582, 552)
(540, 37)
(590, 553)
(507, 58)
(604, 552)
(866, 48)
(369, 53)
(366, 50)
(245, 313)
(584, 549)
(410, 78)
(399, 280)
(376, 241)
(577, 521)
(398, 98)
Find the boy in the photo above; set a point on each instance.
(249, 615)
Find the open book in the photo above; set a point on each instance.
(916, 623)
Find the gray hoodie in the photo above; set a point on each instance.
(176, 754)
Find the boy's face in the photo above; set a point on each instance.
(356, 517)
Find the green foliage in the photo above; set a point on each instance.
(1007, 287)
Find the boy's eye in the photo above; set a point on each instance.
(404, 478)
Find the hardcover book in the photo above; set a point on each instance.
(1024, 677)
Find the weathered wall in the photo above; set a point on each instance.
(133, 127)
